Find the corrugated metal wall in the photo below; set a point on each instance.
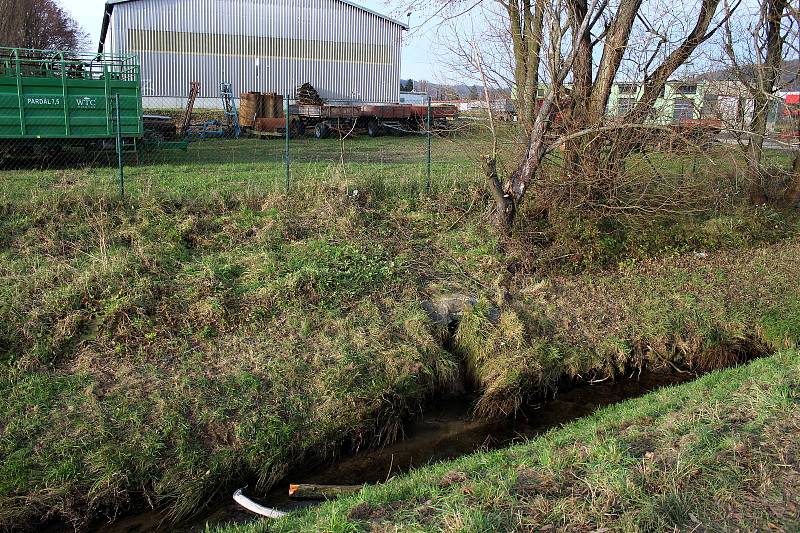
(346, 53)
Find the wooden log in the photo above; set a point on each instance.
(321, 492)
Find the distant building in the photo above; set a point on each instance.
(498, 105)
(729, 102)
(678, 102)
(345, 51)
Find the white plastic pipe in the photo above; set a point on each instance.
(253, 507)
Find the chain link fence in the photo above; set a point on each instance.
(212, 153)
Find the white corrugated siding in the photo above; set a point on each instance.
(260, 45)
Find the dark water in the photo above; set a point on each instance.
(446, 431)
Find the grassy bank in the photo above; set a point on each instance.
(155, 350)
(160, 351)
(717, 454)
(697, 311)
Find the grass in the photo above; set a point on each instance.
(253, 166)
(717, 454)
(209, 330)
(159, 349)
(697, 312)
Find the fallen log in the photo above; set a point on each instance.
(306, 491)
(253, 507)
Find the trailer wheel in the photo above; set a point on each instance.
(322, 130)
(375, 128)
(297, 129)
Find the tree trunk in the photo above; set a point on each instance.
(519, 47)
(534, 35)
(758, 128)
(793, 192)
(505, 207)
(578, 116)
(613, 52)
(766, 78)
(527, 29)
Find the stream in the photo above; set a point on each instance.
(445, 431)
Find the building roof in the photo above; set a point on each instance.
(109, 8)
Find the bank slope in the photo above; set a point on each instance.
(721, 453)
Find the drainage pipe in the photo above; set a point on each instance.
(253, 507)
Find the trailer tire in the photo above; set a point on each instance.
(375, 128)
(296, 129)
(322, 131)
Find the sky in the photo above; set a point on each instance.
(418, 63)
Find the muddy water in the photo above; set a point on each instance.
(445, 431)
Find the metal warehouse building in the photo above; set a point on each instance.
(345, 51)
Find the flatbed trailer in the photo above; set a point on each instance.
(375, 119)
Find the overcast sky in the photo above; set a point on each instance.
(417, 58)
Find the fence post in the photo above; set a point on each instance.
(117, 120)
(430, 134)
(286, 150)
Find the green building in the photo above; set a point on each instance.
(678, 102)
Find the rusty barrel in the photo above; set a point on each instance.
(271, 105)
(249, 109)
(271, 125)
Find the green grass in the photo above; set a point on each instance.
(165, 348)
(717, 454)
(211, 329)
(253, 166)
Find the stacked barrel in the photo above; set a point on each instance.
(261, 111)
(271, 105)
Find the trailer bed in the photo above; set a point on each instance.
(376, 119)
(381, 111)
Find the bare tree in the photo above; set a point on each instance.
(760, 74)
(39, 24)
(585, 43)
(586, 122)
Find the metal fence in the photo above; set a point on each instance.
(213, 156)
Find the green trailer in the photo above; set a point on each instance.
(55, 98)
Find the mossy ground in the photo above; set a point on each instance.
(211, 329)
